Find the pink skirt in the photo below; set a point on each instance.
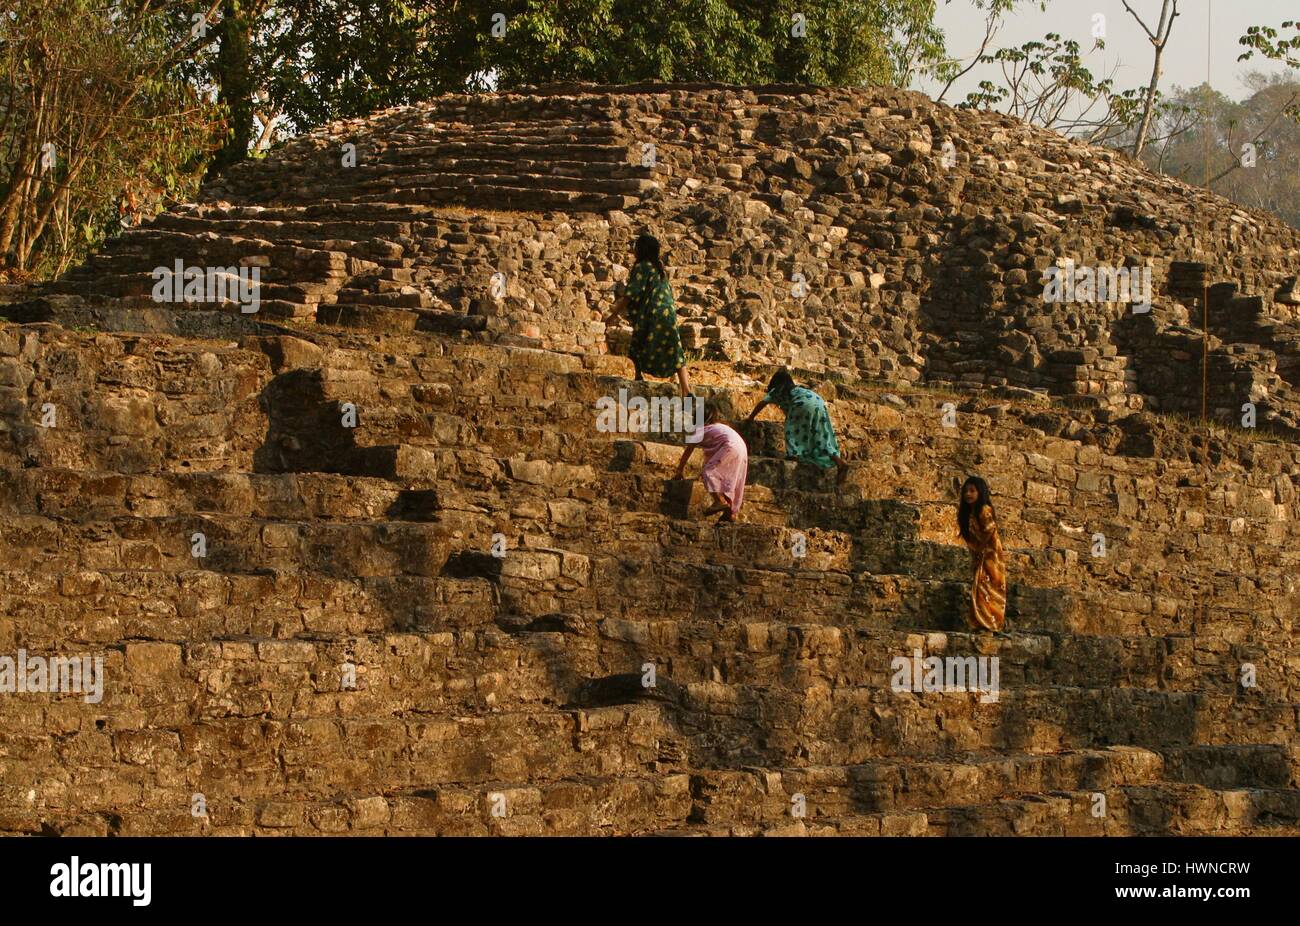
(726, 463)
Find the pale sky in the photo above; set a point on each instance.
(1127, 46)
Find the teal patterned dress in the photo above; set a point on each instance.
(656, 342)
(809, 435)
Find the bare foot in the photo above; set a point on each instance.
(840, 476)
(715, 509)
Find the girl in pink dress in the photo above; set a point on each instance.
(726, 463)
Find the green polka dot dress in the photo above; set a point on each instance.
(809, 435)
(656, 343)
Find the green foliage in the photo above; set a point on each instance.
(320, 60)
(1271, 43)
(614, 41)
(93, 129)
(1046, 82)
(824, 42)
(313, 61)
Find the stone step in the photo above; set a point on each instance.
(205, 605)
(836, 652)
(585, 806)
(373, 317)
(208, 246)
(764, 546)
(141, 286)
(761, 550)
(235, 545)
(592, 804)
(400, 164)
(867, 717)
(408, 297)
(284, 229)
(77, 495)
(904, 823)
(852, 726)
(131, 308)
(1144, 810)
(470, 387)
(520, 179)
(696, 647)
(534, 126)
(505, 197)
(795, 508)
(514, 150)
(741, 725)
(240, 544)
(532, 585)
(770, 796)
(281, 776)
(144, 260)
(354, 220)
(761, 470)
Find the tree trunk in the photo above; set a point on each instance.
(235, 80)
(1159, 39)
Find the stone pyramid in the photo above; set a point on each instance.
(360, 561)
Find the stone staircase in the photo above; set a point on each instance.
(870, 233)
(504, 153)
(349, 655)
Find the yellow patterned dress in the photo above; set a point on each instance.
(656, 342)
(988, 595)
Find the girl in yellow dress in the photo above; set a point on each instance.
(648, 301)
(976, 524)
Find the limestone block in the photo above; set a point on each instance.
(146, 661)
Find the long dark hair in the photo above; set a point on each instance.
(647, 249)
(781, 382)
(965, 510)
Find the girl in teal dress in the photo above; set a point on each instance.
(809, 434)
(648, 299)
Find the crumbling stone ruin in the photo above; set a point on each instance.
(360, 561)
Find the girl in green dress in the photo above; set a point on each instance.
(648, 300)
(809, 434)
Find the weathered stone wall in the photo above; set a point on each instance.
(479, 677)
(361, 561)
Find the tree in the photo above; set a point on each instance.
(234, 79)
(1159, 40)
(1265, 175)
(92, 127)
(299, 63)
(825, 42)
(848, 42)
(1272, 43)
(1046, 83)
(315, 61)
(951, 70)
